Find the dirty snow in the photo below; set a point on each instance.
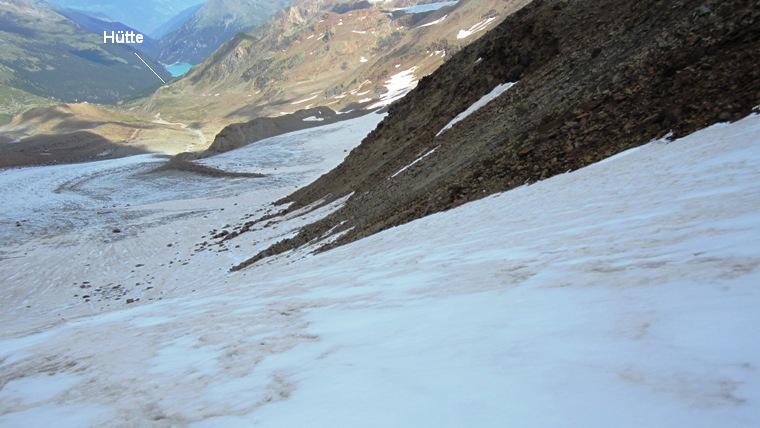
(623, 294)
(72, 210)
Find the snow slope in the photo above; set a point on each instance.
(624, 294)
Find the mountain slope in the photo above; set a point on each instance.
(175, 22)
(147, 16)
(45, 54)
(213, 24)
(107, 124)
(14, 100)
(314, 55)
(96, 25)
(593, 79)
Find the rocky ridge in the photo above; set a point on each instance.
(594, 79)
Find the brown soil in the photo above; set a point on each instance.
(595, 78)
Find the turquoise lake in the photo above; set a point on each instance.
(178, 69)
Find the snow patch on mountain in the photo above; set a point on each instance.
(477, 105)
(397, 87)
(414, 162)
(304, 100)
(480, 26)
(436, 22)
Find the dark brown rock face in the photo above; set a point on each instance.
(595, 78)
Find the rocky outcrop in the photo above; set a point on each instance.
(595, 78)
(240, 134)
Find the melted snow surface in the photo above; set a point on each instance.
(623, 294)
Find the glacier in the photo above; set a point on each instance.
(622, 294)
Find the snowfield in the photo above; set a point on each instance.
(624, 294)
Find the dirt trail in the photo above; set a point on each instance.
(201, 138)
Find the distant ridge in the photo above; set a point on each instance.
(98, 25)
(201, 30)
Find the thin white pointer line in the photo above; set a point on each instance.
(146, 64)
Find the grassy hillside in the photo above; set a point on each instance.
(14, 101)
